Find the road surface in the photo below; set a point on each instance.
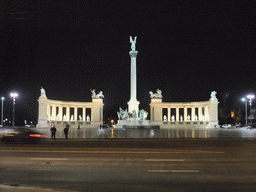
(132, 164)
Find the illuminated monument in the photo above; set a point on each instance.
(133, 104)
(198, 114)
(165, 114)
(133, 117)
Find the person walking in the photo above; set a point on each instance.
(66, 131)
(53, 130)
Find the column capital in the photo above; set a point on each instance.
(133, 54)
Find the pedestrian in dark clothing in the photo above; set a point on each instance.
(66, 132)
(53, 130)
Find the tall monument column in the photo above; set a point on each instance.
(133, 104)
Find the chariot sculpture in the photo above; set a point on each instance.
(157, 95)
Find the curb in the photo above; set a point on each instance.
(22, 188)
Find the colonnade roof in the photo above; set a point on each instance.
(179, 104)
(69, 103)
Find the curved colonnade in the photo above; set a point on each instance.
(202, 113)
(60, 113)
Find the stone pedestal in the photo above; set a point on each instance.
(42, 108)
(133, 123)
(213, 113)
(156, 110)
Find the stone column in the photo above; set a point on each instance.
(67, 113)
(60, 113)
(133, 104)
(84, 119)
(75, 113)
(151, 113)
(177, 114)
(206, 113)
(193, 114)
(48, 112)
(54, 112)
(101, 114)
(200, 113)
(169, 114)
(185, 113)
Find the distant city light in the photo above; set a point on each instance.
(245, 100)
(250, 97)
(2, 112)
(13, 95)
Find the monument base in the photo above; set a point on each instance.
(133, 123)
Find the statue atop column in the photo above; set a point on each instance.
(213, 94)
(133, 42)
(42, 91)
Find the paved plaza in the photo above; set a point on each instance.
(176, 133)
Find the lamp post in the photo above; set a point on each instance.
(2, 112)
(245, 100)
(13, 95)
(250, 97)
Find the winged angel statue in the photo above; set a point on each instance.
(133, 43)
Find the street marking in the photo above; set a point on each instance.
(131, 152)
(164, 159)
(173, 171)
(50, 159)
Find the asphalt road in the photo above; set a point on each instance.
(132, 164)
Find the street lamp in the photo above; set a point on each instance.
(13, 95)
(2, 113)
(245, 100)
(250, 97)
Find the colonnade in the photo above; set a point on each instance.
(204, 111)
(62, 113)
(75, 113)
(199, 113)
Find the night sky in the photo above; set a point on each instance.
(186, 49)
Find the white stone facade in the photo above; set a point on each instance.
(59, 113)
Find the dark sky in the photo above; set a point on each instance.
(186, 49)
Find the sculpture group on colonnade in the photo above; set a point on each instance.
(157, 95)
(97, 96)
